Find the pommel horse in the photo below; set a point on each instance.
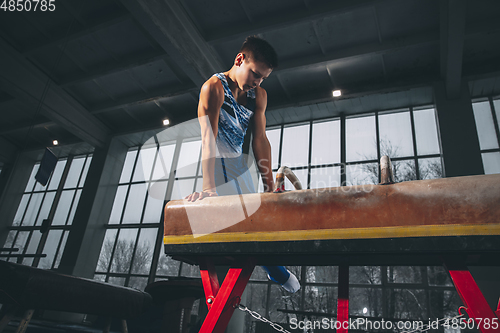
(450, 221)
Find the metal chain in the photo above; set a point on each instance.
(280, 328)
(257, 316)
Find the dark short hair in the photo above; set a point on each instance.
(260, 50)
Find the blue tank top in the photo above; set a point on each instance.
(233, 121)
(231, 171)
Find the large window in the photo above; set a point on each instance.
(52, 207)
(486, 114)
(314, 150)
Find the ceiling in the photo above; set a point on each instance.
(94, 69)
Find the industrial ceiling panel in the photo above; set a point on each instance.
(295, 41)
(155, 75)
(123, 39)
(263, 10)
(89, 93)
(119, 85)
(413, 61)
(304, 81)
(18, 30)
(87, 52)
(399, 19)
(349, 29)
(211, 16)
(361, 70)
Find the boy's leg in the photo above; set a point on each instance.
(283, 277)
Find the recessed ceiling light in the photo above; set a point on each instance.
(166, 122)
(55, 142)
(336, 93)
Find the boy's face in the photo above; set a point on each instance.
(250, 74)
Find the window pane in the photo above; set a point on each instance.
(106, 250)
(128, 166)
(404, 171)
(56, 175)
(167, 266)
(491, 162)
(485, 126)
(63, 207)
(135, 203)
(163, 162)
(404, 274)
(188, 159)
(274, 139)
(365, 275)
(31, 181)
(155, 200)
(144, 164)
(182, 188)
(395, 135)
(10, 239)
(190, 270)
(496, 105)
(407, 304)
(20, 210)
(116, 212)
(45, 209)
(430, 168)
(295, 146)
(32, 246)
(138, 282)
(61, 249)
(144, 251)
(361, 143)
(326, 143)
(360, 174)
(426, 132)
(124, 250)
(321, 299)
(438, 276)
(322, 274)
(75, 170)
(85, 171)
(365, 302)
(33, 208)
(50, 249)
(73, 208)
(325, 177)
(301, 175)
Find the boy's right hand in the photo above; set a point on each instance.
(200, 195)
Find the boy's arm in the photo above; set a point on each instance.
(211, 99)
(261, 146)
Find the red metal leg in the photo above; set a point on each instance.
(209, 279)
(476, 306)
(343, 300)
(228, 296)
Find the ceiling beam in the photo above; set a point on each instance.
(282, 21)
(452, 31)
(169, 24)
(22, 80)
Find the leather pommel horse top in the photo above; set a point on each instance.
(405, 222)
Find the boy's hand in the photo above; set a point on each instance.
(200, 195)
